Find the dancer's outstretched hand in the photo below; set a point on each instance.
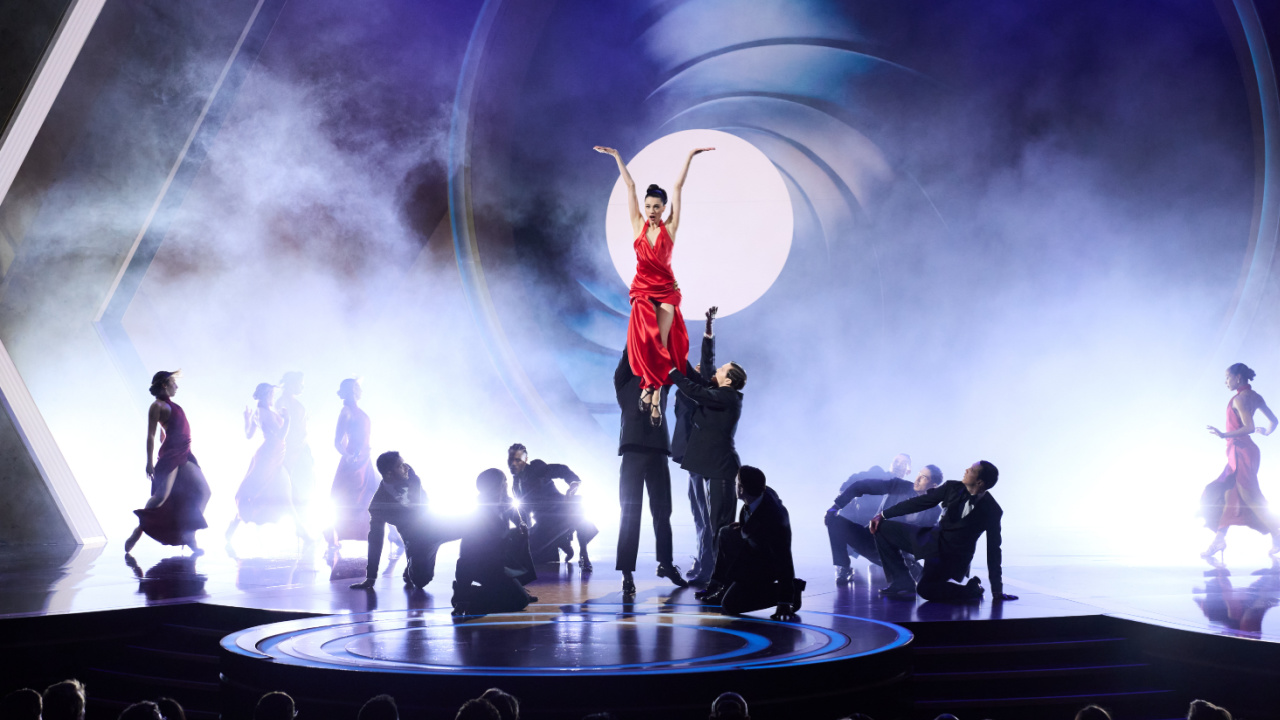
(606, 150)
(711, 317)
(700, 150)
(1214, 431)
(874, 525)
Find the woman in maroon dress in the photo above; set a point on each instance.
(265, 494)
(1235, 498)
(179, 491)
(657, 339)
(355, 481)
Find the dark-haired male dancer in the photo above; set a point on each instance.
(644, 447)
(968, 511)
(844, 533)
(685, 407)
(555, 516)
(711, 456)
(754, 568)
(400, 501)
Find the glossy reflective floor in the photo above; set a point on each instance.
(1233, 601)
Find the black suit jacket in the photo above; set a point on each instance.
(955, 537)
(768, 532)
(637, 434)
(685, 406)
(894, 491)
(711, 452)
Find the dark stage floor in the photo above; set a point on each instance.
(1230, 602)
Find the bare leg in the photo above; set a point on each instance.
(666, 316)
(132, 539)
(161, 493)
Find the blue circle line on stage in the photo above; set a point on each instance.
(288, 642)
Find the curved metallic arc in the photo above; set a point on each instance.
(1258, 274)
(844, 189)
(834, 44)
(465, 244)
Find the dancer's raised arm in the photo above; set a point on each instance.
(673, 221)
(637, 220)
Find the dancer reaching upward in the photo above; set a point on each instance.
(1235, 498)
(179, 491)
(656, 336)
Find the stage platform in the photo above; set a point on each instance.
(1084, 629)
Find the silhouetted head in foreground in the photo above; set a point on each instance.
(275, 706)
(1205, 710)
(477, 710)
(24, 704)
(145, 710)
(1093, 712)
(64, 701)
(379, 707)
(505, 703)
(729, 706)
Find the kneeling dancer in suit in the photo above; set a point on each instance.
(754, 569)
(494, 563)
(401, 503)
(968, 510)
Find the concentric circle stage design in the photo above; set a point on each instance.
(590, 657)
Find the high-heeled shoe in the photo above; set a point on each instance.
(584, 563)
(1218, 545)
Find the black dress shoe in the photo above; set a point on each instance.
(672, 573)
(712, 588)
(628, 586)
(713, 598)
(584, 563)
(898, 593)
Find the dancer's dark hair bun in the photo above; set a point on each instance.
(655, 191)
(1243, 371)
(158, 382)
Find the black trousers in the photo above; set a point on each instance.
(422, 542)
(744, 574)
(844, 534)
(494, 581)
(641, 470)
(892, 539)
(555, 517)
(722, 501)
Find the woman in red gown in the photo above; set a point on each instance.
(657, 339)
(1235, 498)
(265, 494)
(179, 491)
(355, 481)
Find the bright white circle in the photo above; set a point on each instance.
(735, 219)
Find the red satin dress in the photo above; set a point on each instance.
(654, 283)
(182, 513)
(1235, 498)
(355, 482)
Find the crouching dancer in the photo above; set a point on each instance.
(494, 563)
(753, 568)
(401, 503)
(968, 511)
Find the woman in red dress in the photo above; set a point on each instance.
(657, 339)
(1235, 498)
(265, 494)
(355, 481)
(179, 491)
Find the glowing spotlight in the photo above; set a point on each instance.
(736, 220)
